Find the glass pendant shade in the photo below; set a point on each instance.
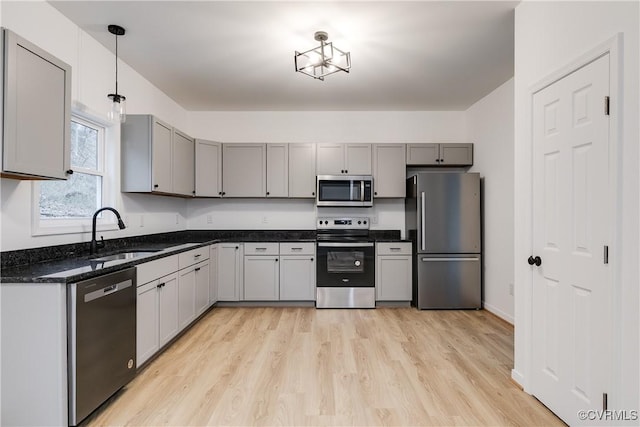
(117, 108)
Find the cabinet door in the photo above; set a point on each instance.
(208, 168)
(168, 308)
(37, 111)
(330, 159)
(183, 165)
(389, 170)
(393, 278)
(229, 268)
(147, 339)
(244, 170)
(186, 296)
(357, 159)
(202, 287)
(302, 170)
(456, 154)
(277, 170)
(297, 278)
(213, 274)
(161, 171)
(261, 278)
(423, 154)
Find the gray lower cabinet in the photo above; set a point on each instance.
(230, 271)
(156, 306)
(213, 274)
(297, 271)
(37, 111)
(444, 154)
(394, 271)
(261, 272)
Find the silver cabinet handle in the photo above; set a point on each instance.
(423, 204)
(296, 249)
(395, 249)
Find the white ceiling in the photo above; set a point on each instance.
(238, 55)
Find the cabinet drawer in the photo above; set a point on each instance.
(155, 269)
(193, 256)
(297, 248)
(394, 248)
(264, 248)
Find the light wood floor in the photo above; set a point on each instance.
(308, 367)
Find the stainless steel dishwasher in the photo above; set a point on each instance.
(102, 340)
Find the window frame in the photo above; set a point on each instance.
(52, 226)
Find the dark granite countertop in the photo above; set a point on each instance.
(72, 263)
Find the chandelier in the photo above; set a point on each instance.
(322, 60)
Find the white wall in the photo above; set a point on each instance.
(490, 128)
(313, 126)
(92, 79)
(548, 37)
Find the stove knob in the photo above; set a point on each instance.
(365, 222)
(326, 222)
(320, 222)
(359, 222)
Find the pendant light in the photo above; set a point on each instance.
(117, 105)
(322, 60)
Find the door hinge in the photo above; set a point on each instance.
(605, 403)
(606, 105)
(606, 254)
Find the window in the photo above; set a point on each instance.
(68, 206)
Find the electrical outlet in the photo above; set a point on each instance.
(209, 219)
(265, 220)
(141, 220)
(511, 289)
(374, 219)
(177, 219)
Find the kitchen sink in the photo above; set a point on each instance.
(130, 254)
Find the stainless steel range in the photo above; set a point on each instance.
(345, 263)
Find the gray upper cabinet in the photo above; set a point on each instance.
(183, 164)
(440, 154)
(244, 170)
(302, 170)
(156, 158)
(341, 159)
(389, 170)
(277, 170)
(37, 111)
(208, 168)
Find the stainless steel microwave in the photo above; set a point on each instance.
(344, 190)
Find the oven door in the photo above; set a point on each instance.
(345, 265)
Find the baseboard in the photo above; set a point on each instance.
(517, 378)
(501, 314)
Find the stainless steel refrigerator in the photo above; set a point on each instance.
(442, 214)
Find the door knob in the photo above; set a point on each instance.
(537, 260)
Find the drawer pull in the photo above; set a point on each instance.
(197, 256)
(197, 269)
(395, 249)
(261, 249)
(296, 249)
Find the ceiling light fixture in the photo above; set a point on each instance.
(322, 60)
(117, 107)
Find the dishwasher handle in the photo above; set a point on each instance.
(107, 290)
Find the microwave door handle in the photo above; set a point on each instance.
(362, 190)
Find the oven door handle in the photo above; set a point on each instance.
(345, 245)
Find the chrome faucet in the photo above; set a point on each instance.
(94, 243)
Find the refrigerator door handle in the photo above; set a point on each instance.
(423, 228)
(449, 259)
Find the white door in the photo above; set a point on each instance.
(571, 296)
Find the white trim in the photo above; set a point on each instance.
(57, 226)
(613, 47)
(496, 311)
